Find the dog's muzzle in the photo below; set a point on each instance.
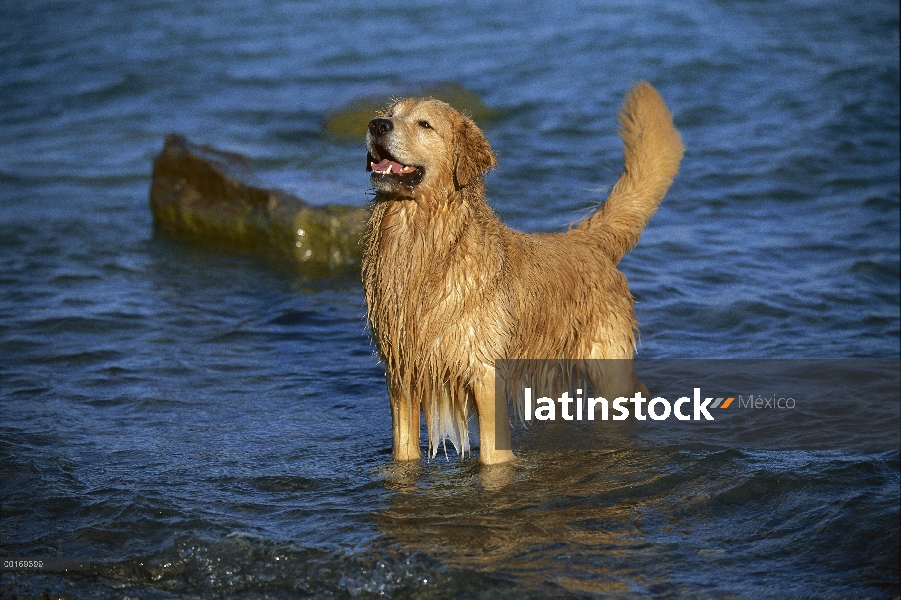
(385, 168)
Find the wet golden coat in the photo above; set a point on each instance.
(450, 289)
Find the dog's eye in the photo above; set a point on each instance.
(425, 125)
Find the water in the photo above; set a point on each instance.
(202, 424)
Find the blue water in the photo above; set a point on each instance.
(206, 424)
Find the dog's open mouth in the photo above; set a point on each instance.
(383, 165)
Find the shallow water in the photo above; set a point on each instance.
(204, 424)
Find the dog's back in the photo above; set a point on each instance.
(577, 304)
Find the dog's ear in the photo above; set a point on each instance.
(474, 155)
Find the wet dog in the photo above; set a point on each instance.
(450, 289)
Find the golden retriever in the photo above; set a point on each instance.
(450, 289)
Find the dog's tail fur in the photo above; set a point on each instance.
(652, 149)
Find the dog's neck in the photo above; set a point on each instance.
(432, 221)
(410, 246)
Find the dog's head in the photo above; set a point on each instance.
(416, 143)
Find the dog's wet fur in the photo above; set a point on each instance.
(450, 289)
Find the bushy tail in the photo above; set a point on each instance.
(652, 149)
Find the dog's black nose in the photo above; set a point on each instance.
(380, 126)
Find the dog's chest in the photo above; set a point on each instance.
(429, 293)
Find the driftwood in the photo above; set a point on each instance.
(205, 194)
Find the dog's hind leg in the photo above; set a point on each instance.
(614, 378)
(494, 420)
(405, 418)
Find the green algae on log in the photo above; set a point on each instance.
(205, 194)
(351, 120)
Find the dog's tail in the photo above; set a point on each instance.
(652, 149)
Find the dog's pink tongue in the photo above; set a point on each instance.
(387, 164)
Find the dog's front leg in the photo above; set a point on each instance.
(405, 418)
(494, 421)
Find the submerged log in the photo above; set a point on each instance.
(202, 193)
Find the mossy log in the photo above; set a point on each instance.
(202, 193)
